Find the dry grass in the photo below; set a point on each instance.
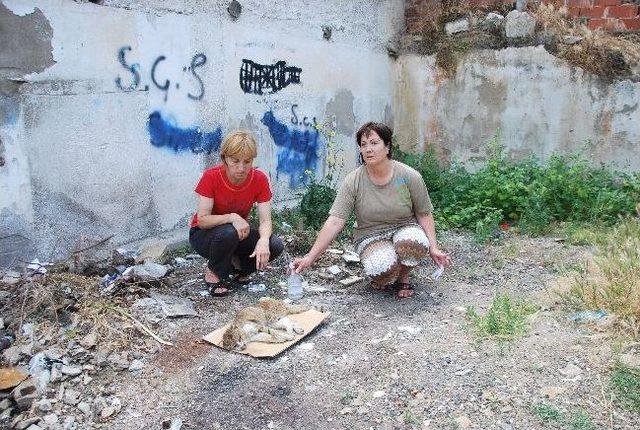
(612, 282)
(598, 52)
(69, 305)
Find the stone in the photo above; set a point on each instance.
(5, 404)
(10, 277)
(571, 40)
(412, 330)
(25, 394)
(85, 408)
(378, 394)
(44, 405)
(463, 422)
(153, 253)
(494, 17)
(68, 423)
(519, 25)
(34, 427)
(71, 370)
(630, 360)
(457, 26)
(570, 371)
(173, 306)
(89, 341)
(71, 397)
(136, 366)
(51, 420)
(119, 361)
(148, 271)
(346, 411)
(334, 270)
(11, 377)
(122, 256)
(12, 355)
(350, 257)
(27, 423)
(351, 280)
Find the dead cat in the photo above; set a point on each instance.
(266, 322)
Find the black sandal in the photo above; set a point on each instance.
(213, 286)
(404, 286)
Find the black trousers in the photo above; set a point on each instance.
(220, 243)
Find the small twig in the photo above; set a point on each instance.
(94, 245)
(143, 327)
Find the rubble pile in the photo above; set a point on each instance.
(65, 336)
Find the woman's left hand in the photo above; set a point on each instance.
(439, 257)
(261, 253)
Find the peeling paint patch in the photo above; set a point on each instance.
(342, 107)
(165, 133)
(297, 150)
(17, 32)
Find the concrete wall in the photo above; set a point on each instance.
(536, 103)
(109, 113)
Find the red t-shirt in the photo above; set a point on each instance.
(229, 198)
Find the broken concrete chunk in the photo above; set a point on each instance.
(25, 394)
(351, 280)
(71, 370)
(173, 306)
(10, 277)
(148, 271)
(350, 257)
(154, 253)
(71, 397)
(457, 26)
(334, 270)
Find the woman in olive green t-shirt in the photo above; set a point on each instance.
(395, 228)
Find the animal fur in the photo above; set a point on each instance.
(266, 322)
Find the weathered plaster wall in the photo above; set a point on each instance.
(534, 101)
(109, 113)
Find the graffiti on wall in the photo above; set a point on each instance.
(297, 149)
(295, 120)
(267, 78)
(155, 76)
(166, 133)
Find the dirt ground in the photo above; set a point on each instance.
(382, 363)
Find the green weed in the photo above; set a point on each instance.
(625, 384)
(505, 319)
(546, 413)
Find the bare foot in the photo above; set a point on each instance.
(212, 281)
(404, 290)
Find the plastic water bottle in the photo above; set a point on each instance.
(294, 285)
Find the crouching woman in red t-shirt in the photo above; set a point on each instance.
(219, 230)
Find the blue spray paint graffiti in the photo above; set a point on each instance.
(165, 133)
(297, 150)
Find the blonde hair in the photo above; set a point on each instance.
(239, 143)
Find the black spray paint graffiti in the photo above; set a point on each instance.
(254, 77)
(305, 120)
(197, 61)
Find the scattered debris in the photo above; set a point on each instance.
(586, 316)
(173, 306)
(350, 257)
(351, 280)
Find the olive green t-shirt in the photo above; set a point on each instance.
(380, 208)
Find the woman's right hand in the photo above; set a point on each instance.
(302, 264)
(241, 225)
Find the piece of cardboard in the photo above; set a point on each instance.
(309, 320)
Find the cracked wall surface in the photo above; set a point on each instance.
(110, 111)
